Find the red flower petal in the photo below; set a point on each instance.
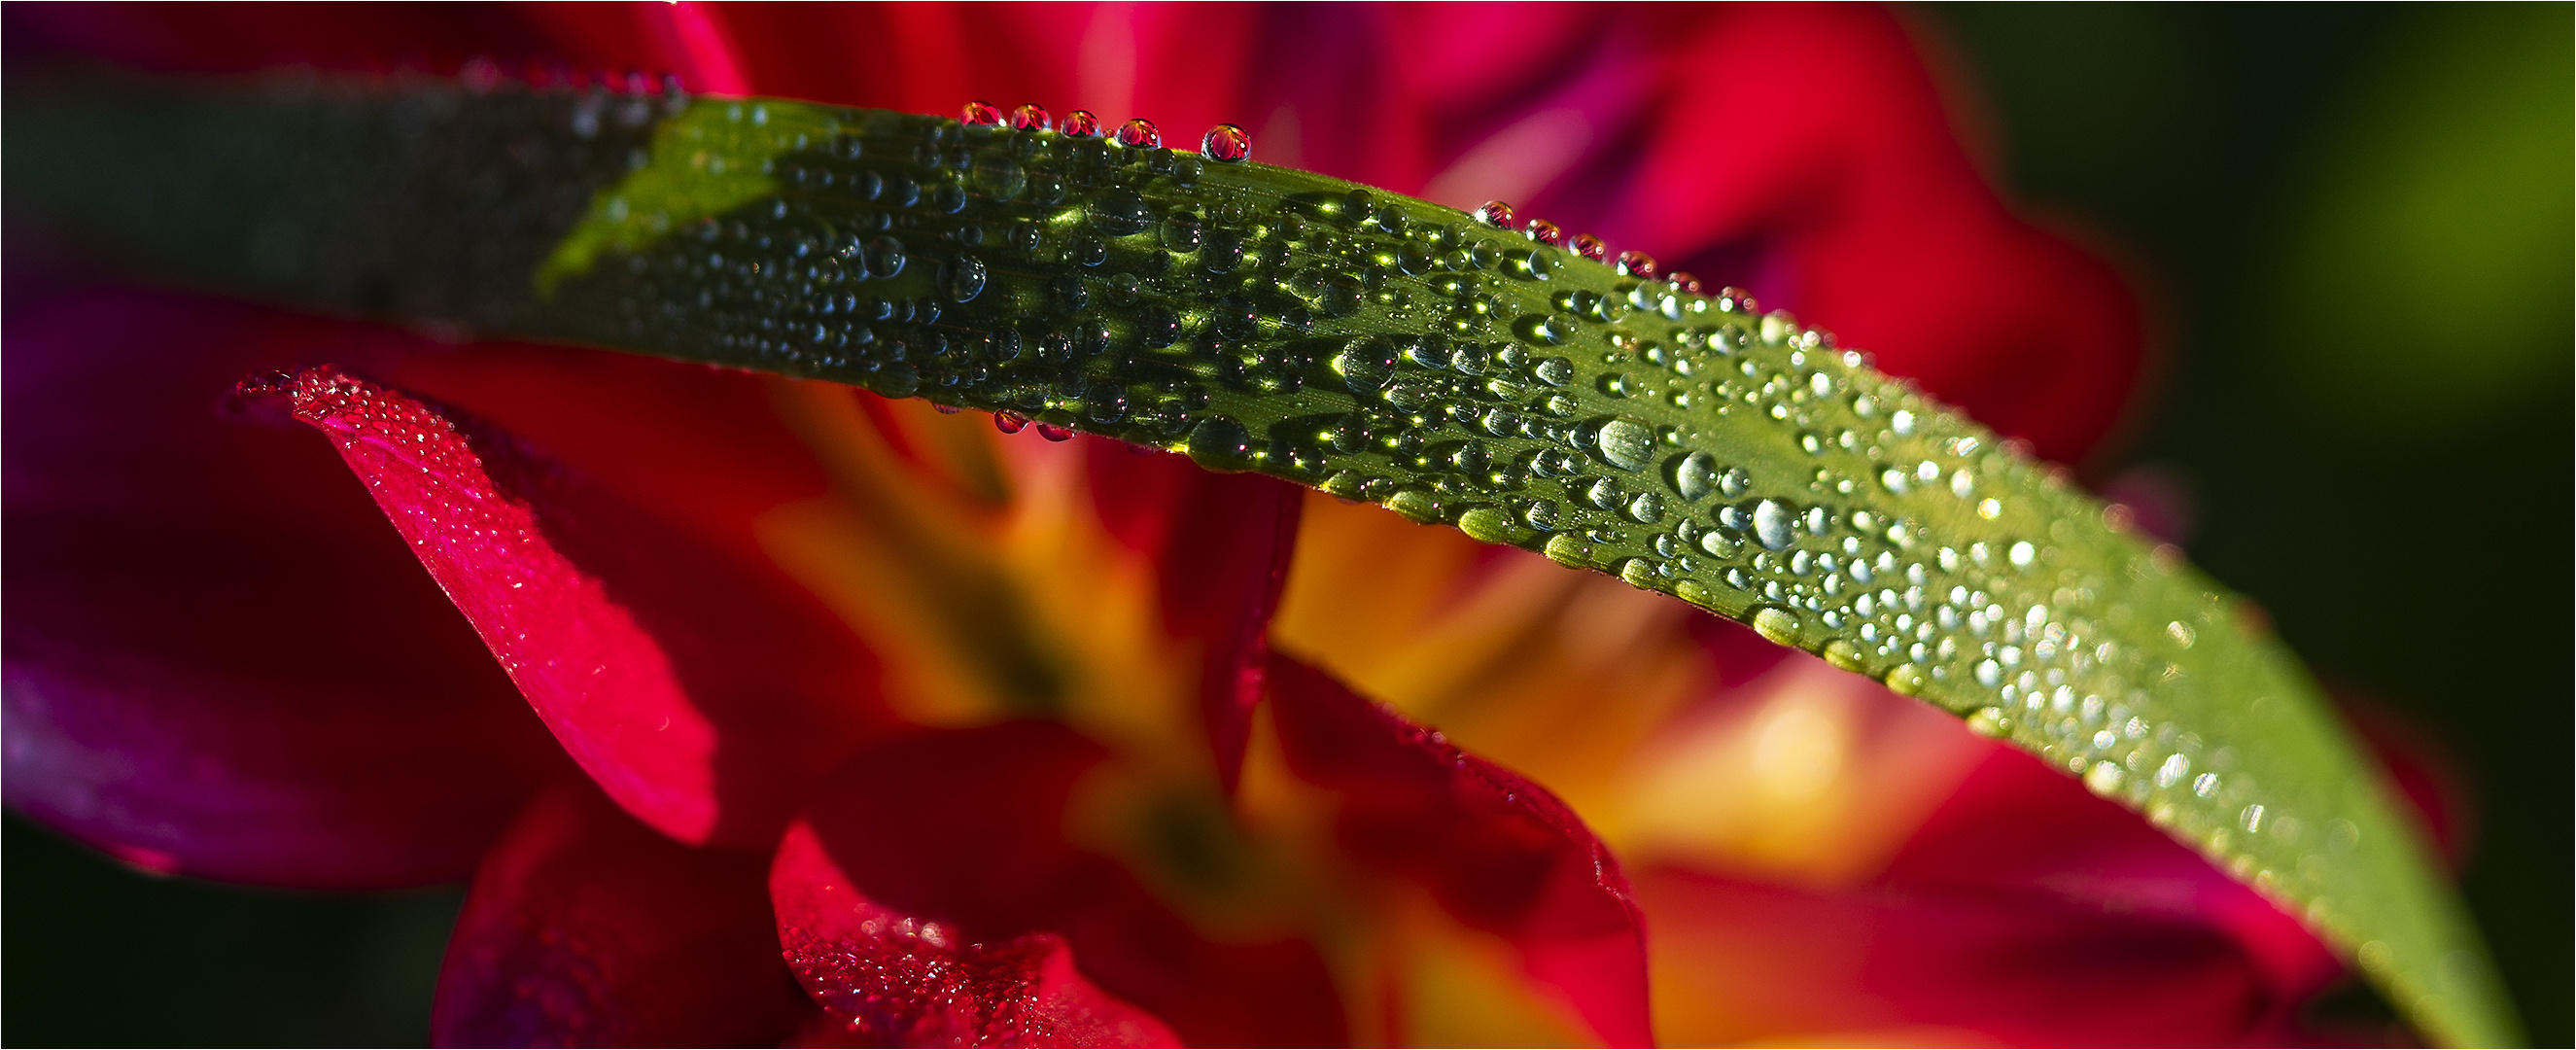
(1497, 850)
(2025, 910)
(643, 650)
(217, 662)
(1221, 544)
(931, 896)
(1857, 208)
(587, 929)
(903, 981)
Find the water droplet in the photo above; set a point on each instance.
(1647, 508)
(1638, 265)
(884, 257)
(1554, 371)
(1544, 232)
(1220, 443)
(2181, 633)
(1226, 144)
(1495, 214)
(1119, 213)
(981, 114)
(1031, 117)
(2022, 553)
(1590, 247)
(1989, 721)
(2105, 778)
(1082, 124)
(1735, 482)
(1902, 422)
(1139, 133)
(1775, 524)
(1625, 443)
(1365, 364)
(1415, 504)
(963, 278)
(1776, 625)
(1695, 476)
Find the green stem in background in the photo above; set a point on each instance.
(1374, 346)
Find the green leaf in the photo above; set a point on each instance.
(1371, 345)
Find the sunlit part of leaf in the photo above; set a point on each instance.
(1374, 346)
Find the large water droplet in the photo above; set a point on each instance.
(1139, 133)
(981, 114)
(1220, 443)
(1774, 523)
(1119, 213)
(1365, 364)
(1776, 625)
(1625, 443)
(1031, 117)
(885, 257)
(1544, 232)
(1495, 214)
(1226, 144)
(1082, 124)
(1638, 265)
(1695, 476)
(963, 278)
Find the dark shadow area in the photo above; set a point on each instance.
(102, 956)
(2385, 466)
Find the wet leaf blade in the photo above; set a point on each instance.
(1270, 320)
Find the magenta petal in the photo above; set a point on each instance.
(1221, 544)
(611, 626)
(586, 928)
(218, 662)
(931, 893)
(1497, 850)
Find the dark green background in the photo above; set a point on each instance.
(2353, 227)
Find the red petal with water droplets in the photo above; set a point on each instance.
(219, 663)
(1497, 850)
(931, 895)
(1221, 544)
(586, 928)
(2025, 909)
(620, 631)
(900, 980)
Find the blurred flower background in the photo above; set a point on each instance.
(2352, 226)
